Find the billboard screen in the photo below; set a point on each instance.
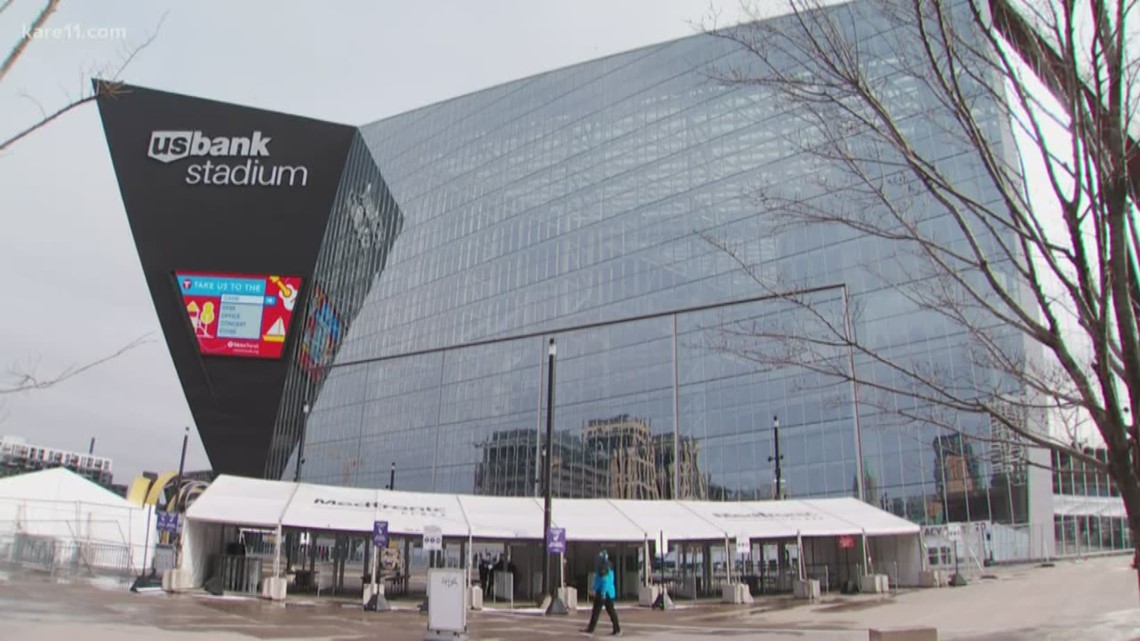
(239, 315)
(321, 335)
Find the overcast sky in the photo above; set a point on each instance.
(74, 289)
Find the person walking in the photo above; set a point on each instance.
(604, 594)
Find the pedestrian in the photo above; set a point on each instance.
(484, 571)
(604, 594)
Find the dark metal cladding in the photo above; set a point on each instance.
(180, 222)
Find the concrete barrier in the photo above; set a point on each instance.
(903, 634)
(475, 598)
(806, 589)
(736, 593)
(176, 580)
(569, 596)
(874, 584)
(648, 594)
(934, 579)
(274, 588)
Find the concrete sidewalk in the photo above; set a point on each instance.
(1097, 599)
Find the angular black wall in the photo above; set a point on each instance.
(211, 228)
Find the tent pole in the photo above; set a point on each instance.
(375, 564)
(866, 557)
(728, 560)
(146, 543)
(800, 554)
(277, 553)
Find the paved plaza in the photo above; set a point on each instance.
(1093, 599)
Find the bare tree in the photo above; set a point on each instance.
(23, 378)
(907, 114)
(111, 87)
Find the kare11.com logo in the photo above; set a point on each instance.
(217, 160)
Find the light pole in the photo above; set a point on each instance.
(178, 497)
(777, 458)
(556, 605)
(182, 463)
(301, 443)
(547, 472)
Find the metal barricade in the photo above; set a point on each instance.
(239, 573)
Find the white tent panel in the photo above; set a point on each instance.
(594, 520)
(756, 519)
(862, 517)
(328, 507)
(64, 506)
(411, 512)
(59, 484)
(242, 501)
(351, 509)
(679, 522)
(499, 517)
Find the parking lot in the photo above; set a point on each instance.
(1093, 599)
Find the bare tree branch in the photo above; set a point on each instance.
(1038, 284)
(23, 379)
(111, 87)
(26, 39)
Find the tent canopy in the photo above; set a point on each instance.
(59, 484)
(264, 503)
(64, 506)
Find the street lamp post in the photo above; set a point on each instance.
(556, 605)
(777, 458)
(547, 472)
(301, 443)
(178, 496)
(182, 463)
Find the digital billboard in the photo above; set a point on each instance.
(239, 315)
(321, 335)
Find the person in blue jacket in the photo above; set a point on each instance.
(604, 594)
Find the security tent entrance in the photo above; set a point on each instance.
(320, 538)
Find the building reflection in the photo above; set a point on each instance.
(618, 457)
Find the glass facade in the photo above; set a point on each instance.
(601, 192)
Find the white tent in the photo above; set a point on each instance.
(271, 504)
(804, 517)
(71, 520)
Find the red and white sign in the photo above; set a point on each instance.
(846, 542)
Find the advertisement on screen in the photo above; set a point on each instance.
(239, 315)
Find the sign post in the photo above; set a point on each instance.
(432, 543)
(556, 540)
(556, 544)
(433, 539)
(375, 600)
(167, 522)
(380, 534)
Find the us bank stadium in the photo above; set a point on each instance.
(382, 297)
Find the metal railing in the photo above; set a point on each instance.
(74, 558)
(238, 573)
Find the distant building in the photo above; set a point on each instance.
(510, 466)
(617, 458)
(18, 456)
